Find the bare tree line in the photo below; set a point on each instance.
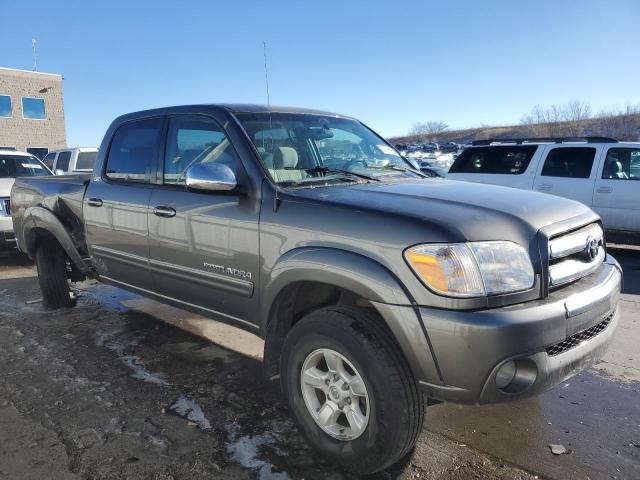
(573, 119)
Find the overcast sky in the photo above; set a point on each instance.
(391, 64)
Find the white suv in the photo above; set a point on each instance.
(72, 160)
(14, 164)
(597, 171)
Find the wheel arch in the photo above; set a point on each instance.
(40, 223)
(307, 279)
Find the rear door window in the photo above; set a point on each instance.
(570, 162)
(63, 161)
(622, 164)
(502, 160)
(134, 151)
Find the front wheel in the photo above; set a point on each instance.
(350, 389)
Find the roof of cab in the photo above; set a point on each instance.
(257, 108)
(229, 107)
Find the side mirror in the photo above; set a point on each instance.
(59, 172)
(210, 177)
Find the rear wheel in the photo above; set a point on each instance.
(52, 275)
(350, 389)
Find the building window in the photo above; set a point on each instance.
(5, 106)
(33, 108)
(39, 152)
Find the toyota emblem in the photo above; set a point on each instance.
(593, 248)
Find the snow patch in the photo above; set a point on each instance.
(188, 408)
(119, 342)
(245, 450)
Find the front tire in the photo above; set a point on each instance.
(52, 275)
(350, 389)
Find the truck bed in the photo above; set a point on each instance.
(62, 195)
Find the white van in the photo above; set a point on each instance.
(598, 171)
(70, 160)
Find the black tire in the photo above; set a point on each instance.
(52, 275)
(397, 407)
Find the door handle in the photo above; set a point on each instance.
(545, 187)
(604, 189)
(94, 202)
(166, 212)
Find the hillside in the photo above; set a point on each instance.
(623, 126)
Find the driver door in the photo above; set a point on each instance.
(203, 246)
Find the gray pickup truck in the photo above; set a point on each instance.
(374, 288)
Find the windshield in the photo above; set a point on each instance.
(12, 166)
(302, 149)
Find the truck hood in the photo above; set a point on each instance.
(5, 186)
(459, 211)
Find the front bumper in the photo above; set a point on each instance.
(551, 339)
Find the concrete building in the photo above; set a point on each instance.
(31, 111)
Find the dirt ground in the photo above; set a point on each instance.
(112, 389)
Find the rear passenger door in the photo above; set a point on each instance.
(568, 171)
(116, 204)
(204, 245)
(617, 191)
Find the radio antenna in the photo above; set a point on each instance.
(35, 55)
(266, 71)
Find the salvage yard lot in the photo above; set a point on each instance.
(112, 389)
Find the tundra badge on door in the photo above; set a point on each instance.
(234, 272)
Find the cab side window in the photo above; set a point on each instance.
(134, 150)
(622, 164)
(569, 162)
(192, 140)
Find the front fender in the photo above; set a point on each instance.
(38, 217)
(347, 270)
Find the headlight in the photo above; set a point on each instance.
(472, 269)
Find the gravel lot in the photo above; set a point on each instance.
(113, 389)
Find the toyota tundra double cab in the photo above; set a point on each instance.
(374, 287)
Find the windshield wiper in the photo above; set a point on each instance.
(323, 169)
(391, 166)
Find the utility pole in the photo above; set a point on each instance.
(35, 55)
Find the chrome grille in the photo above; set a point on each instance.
(576, 254)
(578, 338)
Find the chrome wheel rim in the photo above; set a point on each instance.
(335, 394)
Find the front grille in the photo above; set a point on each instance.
(575, 254)
(578, 338)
